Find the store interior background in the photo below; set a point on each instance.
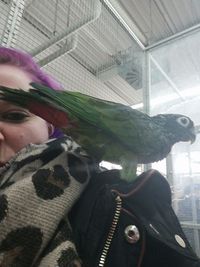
(142, 53)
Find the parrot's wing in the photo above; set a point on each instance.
(122, 122)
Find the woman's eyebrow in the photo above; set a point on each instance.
(7, 105)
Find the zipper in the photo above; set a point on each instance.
(111, 232)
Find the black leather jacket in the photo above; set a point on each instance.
(120, 224)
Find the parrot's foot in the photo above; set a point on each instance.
(128, 176)
(129, 167)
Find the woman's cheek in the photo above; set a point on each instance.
(20, 141)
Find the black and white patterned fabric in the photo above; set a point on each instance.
(37, 189)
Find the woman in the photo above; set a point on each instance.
(41, 177)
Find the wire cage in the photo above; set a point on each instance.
(79, 42)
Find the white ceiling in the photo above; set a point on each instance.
(155, 20)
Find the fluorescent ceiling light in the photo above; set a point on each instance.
(137, 106)
(109, 165)
(191, 92)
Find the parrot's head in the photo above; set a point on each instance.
(179, 127)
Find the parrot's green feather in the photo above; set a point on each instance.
(107, 130)
(113, 118)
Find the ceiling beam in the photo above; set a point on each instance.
(123, 22)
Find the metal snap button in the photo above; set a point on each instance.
(132, 234)
(180, 241)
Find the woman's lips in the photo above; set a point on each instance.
(2, 164)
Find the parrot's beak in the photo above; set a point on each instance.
(192, 135)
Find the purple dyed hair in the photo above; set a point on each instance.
(25, 62)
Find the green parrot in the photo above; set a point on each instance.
(107, 131)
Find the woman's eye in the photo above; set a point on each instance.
(15, 117)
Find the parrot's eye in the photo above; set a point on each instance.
(183, 121)
(14, 116)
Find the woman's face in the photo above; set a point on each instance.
(18, 127)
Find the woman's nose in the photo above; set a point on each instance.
(1, 136)
(1, 132)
